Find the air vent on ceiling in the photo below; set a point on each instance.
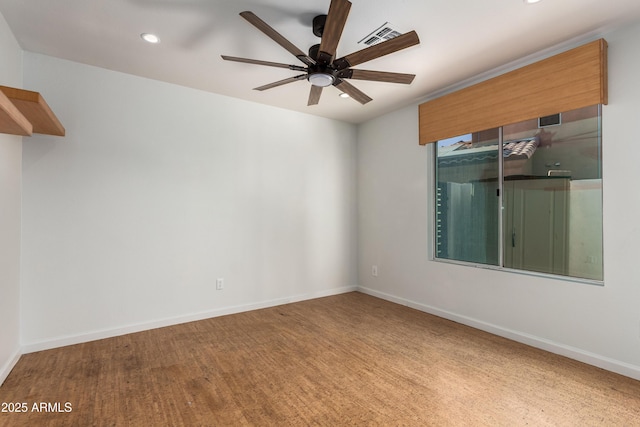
(380, 34)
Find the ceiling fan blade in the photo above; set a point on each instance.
(314, 95)
(281, 82)
(277, 37)
(336, 20)
(376, 51)
(267, 63)
(378, 76)
(352, 91)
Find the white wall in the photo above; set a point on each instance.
(10, 193)
(157, 190)
(595, 324)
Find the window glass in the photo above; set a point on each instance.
(549, 170)
(466, 205)
(553, 195)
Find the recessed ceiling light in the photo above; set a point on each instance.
(531, 1)
(151, 38)
(344, 95)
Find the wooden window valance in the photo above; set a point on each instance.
(573, 79)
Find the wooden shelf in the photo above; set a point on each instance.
(23, 112)
(11, 120)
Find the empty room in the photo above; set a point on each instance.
(323, 212)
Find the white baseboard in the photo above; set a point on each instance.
(160, 323)
(580, 355)
(5, 369)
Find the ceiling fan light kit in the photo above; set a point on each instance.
(321, 67)
(321, 79)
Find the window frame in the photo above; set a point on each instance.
(433, 159)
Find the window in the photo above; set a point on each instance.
(527, 196)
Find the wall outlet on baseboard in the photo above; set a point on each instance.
(374, 270)
(219, 284)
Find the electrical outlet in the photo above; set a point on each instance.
(219, 284)
(374, 270)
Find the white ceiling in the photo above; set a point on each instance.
(459, 39)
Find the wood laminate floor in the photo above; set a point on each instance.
(350, 359)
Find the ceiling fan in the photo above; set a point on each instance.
(321, 68)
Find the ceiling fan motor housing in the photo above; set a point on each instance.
(322, 73)
(314, 50)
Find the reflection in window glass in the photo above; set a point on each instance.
(467, 206)
(551, 196)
